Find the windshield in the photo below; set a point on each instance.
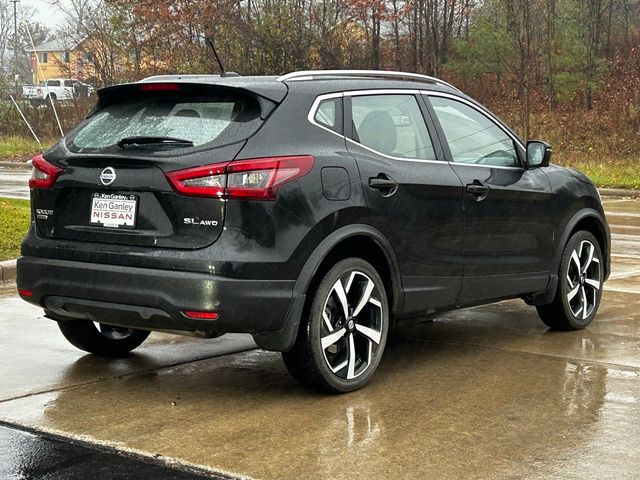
(199, 119)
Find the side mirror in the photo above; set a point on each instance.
(538, 154)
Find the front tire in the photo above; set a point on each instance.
(341, 341)
(579, 287)
(100, 339)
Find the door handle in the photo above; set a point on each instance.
(478, 189)
(385, 184)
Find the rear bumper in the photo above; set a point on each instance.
(155, 299)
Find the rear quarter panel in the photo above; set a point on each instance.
(302, 216)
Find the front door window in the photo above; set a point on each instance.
(473, 137)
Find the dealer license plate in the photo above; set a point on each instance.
(113, 210)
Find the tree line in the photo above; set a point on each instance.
(579, 59)
(549, 53)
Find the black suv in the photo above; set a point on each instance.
(310, 210)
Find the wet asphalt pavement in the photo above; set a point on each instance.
(485, 392)
(14, 183)
(28, 455)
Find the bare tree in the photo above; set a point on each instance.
(593, 15)
(520, 27)
(88, 29)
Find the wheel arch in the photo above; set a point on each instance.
(592, 221)
(356, 240)
(587, 219)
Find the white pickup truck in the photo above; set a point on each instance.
(56, 89)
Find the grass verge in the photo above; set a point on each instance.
(14, 222)
(605, 171)
(19, 148)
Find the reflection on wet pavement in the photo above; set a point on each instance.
(485, 392)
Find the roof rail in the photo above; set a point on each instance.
(316, 74)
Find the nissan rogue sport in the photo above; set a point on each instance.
(310, 210)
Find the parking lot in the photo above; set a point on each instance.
(485, 392)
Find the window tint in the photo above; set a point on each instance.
(473, 137)
(391, 124)
(329, 114)
(53, 83)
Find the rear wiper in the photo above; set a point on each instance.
(134, 141)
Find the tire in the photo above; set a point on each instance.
(353, 344)
(579, 287)
(104, 340)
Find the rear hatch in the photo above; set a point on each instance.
(112, 175)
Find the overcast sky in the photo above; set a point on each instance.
(44, 13)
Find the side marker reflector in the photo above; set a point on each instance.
(201, 315)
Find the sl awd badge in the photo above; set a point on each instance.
(108, 176)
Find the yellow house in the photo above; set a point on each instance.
(60, 58)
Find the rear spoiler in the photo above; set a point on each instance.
(267, 92)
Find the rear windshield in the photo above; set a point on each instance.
(200, 119)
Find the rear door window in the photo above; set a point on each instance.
(392, 125)
(201, 119)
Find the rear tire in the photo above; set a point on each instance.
(343, 334)
(579, 287)
(103, 340)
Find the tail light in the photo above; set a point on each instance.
(254, 179)
(207, 181)
(43, 173)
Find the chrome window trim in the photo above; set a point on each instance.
(314, 107)
(311, 116)
(418, 160)
(353, 93)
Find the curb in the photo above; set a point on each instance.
(8, 270)
(17, 165)
(618, 192)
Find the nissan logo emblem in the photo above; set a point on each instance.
(108, 176)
